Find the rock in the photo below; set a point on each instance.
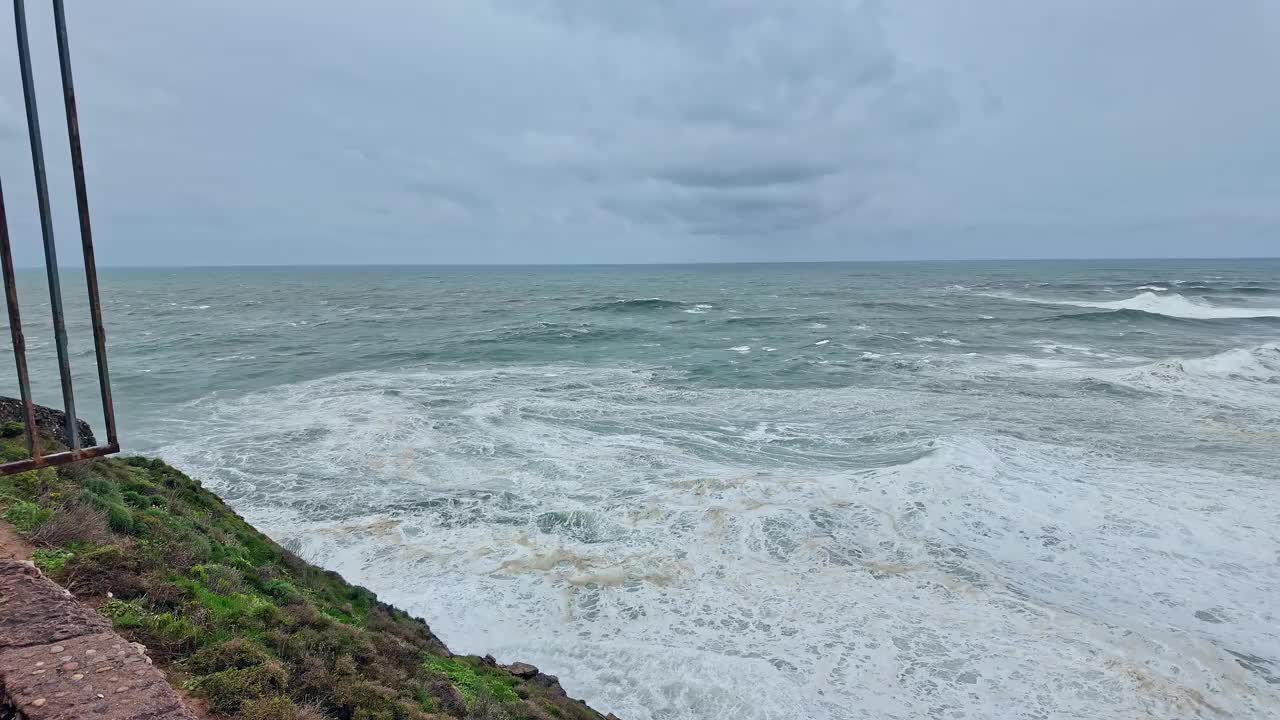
(37, 611)
(52, 423)
(522, 670)
(551, 682)
(57, 695)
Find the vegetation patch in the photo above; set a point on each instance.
(475, 680)
(51, 561)
(26, 516)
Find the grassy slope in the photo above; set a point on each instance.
(236, 619)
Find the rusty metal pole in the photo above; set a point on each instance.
(86, 230)
(15, 330)
(46, 224)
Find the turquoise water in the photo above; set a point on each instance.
(861, 490)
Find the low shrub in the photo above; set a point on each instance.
(227, 690)
(72, 523)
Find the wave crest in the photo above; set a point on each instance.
(633, 305)
(1169, 305)
(1259, 363)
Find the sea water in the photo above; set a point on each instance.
(969, 490)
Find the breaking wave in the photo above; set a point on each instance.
(1259, 364)
(633, 305)
(1247, 378)
(769, 542)
(557, 334)
(1169, 305)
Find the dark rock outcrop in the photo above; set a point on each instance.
(52, 423)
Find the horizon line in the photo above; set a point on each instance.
(654, 264)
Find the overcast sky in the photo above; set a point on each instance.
(472, 131)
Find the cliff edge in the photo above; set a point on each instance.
(234, 620)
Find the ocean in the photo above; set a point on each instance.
(828, 491)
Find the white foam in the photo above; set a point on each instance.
(1170, 305)
(822, 342)
(1260, 363)
(1153, 288)
(693, 554)
(1058, 348)
(1247, 378)
(937, 340)
(741, 349)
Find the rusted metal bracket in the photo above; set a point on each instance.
(75, 452)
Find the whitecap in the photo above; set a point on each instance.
(822, 342)
(1171, 305)
(1060, 348)
(741, 349)
(1258, 363)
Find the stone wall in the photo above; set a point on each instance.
(60, 660)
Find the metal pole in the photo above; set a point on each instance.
(46, 223)
(15, 329)
(86, 231)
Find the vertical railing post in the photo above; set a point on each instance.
(86, 230)
(15, 331)
(46, 225)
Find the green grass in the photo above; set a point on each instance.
(238, 620)
(26, 516)
(475, 680)
(51, 561)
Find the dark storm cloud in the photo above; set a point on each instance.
(271, 131)
(730, 177)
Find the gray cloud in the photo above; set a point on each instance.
(271, 131)
(745, 177)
